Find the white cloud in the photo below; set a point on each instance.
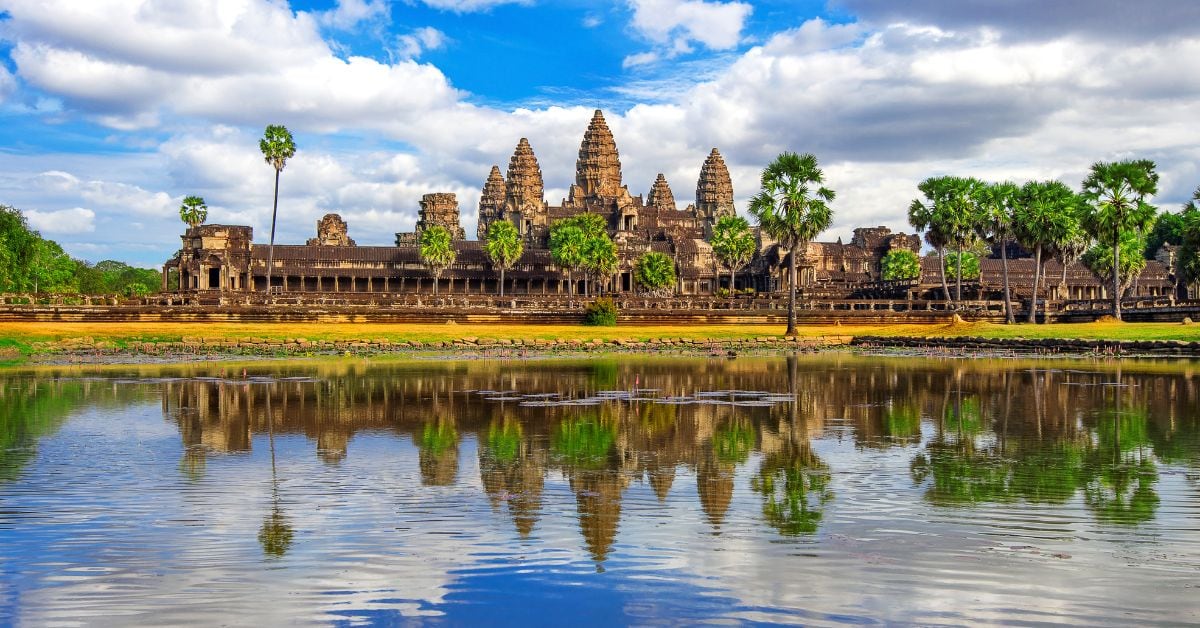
(349, 13)
(63, 221)
(675, 23)
(470, 6)
(411, 45)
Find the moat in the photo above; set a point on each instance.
(817, 489)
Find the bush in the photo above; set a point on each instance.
(900, 264)
(601, 313)
(970, 266)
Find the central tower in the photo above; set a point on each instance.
(598, 170)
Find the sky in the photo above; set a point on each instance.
(111, 111)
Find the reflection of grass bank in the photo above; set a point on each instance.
(23, 339)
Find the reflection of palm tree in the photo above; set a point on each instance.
(275, 535)
(438, 455)
(794, 484)
(1120, 486)
(511, 472)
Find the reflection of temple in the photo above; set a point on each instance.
(1035, 434)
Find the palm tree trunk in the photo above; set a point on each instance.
(1116, 273)
(958, 273)
(1008, 312)
(501, 281)
(791, 326)
(1037, 268)
(942, 260)
(435, 283)
(271, 246)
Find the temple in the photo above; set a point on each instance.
(223, 259)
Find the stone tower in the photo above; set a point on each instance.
(524, 191)
(491, 202)
(714, 190)
(331, 231)
(440, 209)
(660, 196)
(598, 170)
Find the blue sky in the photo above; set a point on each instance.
(112, 110)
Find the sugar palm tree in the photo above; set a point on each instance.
(996, 202)
(950, 209)
(600, 258)
(277, 147)
(193, 211)
(793, 208)
(1116, 194)
(504, 247)
(1045, 216)
(437, 251)
(732, 244)
(566, 248)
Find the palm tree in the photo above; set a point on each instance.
(950, 210)
(1044, 218)
(920, 216)
(1116, 194)
(193, 211)
(566, 248)
(600, 258)
(437, 251)
(793, 208)
(277, 147)
(504, 247)
(1074, 244)
(997, 201)
(732, 244)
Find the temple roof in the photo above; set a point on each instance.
(598, 170)
(524, 186)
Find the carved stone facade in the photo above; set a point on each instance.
(714, 190)
(491, 202)
(331, 231)
(524, 204)
(440, 209)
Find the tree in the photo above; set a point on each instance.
(566, 249)
(277, 147)
(437, 251)
(1116, 195)
(996, 203)
(732, 244)
(1100, 260)
(1044, 216)
(900, 264)
(193, 211)
(655, 272)
(950, 210)
(504, 247)
(964, 265)
(1188, 261)
(18, 244)
(1074, 244)
(793, 208)
(599, 257)
(52, 270)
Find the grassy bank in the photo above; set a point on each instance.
(23, 339)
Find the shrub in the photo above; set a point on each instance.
(970, 266)
(601, 313)
(900, 264)
(655, 272)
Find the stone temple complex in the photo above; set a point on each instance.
(223, 258)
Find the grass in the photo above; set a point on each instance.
(18, 338)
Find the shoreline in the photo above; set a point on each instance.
(84, 353)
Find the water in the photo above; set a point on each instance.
(819, 490)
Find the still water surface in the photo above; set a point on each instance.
(819, 490)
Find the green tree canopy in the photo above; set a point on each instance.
(504, 247)
(793, 207)
(1047, 214)
(566, 248)
(900, 264)
(969, 265)
(599, 256)
(193, 211)
(437, 251)
(1116, 194)
(655, 272)
(732, 243)
(997, 202)
(1099, 259)
(951, 211)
